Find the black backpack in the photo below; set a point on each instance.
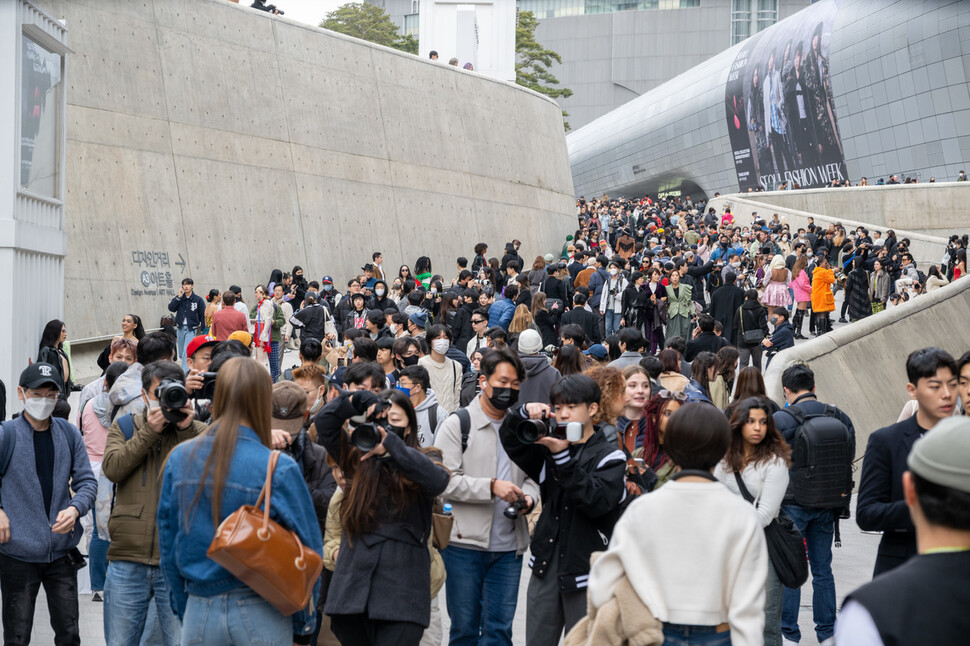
(821, 469)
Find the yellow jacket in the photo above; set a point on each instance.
(823, 300)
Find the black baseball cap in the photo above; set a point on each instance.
(39, 374)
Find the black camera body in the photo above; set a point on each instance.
(365, 434)
(512, 511)
(528, 431)
(208, 390)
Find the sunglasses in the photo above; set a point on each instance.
(669, 394)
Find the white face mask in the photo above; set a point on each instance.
(614, 271)
(40, 408)
(394, 328)
(735, 264)
(440, 345)
(153, 404)
(379, 292)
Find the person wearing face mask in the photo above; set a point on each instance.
(611, 298)
(314, 320)
(416, 384)
(382, 299)
(382, 584)
(137, 446)
(783, 337)
(484, 555)
(39, 531)
(445, 373)
(292, 415)
(407, 352)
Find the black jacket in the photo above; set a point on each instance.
(752, 315)
(587, 320)
(705, 342)
(725, 302)
(581, 489)
(461, 325)
(880, 505)
(385, 574)
(546, 321)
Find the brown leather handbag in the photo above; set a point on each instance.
(266, 556)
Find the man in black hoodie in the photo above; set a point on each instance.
(725, 302)
(512, 253)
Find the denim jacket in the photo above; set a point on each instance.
(183, 538)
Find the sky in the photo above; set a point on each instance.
(309, 11)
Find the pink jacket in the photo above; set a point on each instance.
(801, 287)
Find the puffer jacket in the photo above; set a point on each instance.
(539, 378)
(823, 300)
(135, 465)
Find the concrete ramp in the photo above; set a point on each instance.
(211, 140)
(940, 209)
(861, 367)
(926, 248)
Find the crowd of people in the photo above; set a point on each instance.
(440, 425)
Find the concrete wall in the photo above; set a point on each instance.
(212, 134)
(926, 249)
(861, 368)
(941, 208)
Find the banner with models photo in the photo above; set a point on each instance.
(780, 111)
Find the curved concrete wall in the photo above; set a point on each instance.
(926, 249)
(941, 208)
(219, 136)
(861, 368)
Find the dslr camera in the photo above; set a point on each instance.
(172, 397)
(528, 431)
(512, 511)
(365, 434)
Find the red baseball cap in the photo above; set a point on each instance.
(200, 342)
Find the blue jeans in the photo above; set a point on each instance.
(612, 322)
(128, 591)
(482, 589)
(185, 335)
(680, 635)
(817, 526)
(97, 560)
(274, 360)
(239, 617)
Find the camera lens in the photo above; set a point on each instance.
(365, 437)
(172, 395)
(530, 430)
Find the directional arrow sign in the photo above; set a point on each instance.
(181, 263)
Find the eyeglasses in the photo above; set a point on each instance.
(474, 322)
(669, 394)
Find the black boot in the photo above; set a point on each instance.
(797, 323)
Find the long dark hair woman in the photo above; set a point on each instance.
(380, 588)
(131, 330)
(758, 458)
(51, 350)
(204, 481)
(569, 361)
(657, 412)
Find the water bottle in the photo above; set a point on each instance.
(446, 509)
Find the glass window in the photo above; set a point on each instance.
(740, 20)
(767, 13)
(40, 106)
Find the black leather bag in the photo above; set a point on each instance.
(786, 547)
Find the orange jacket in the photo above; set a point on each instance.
(822, 298)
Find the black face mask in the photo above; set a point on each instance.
(503, 398)
(410, 361)
(397, 430)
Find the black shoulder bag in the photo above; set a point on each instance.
(786, 547)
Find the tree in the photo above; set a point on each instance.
(370, 23)
(534, 61)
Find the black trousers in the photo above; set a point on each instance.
(19, 583)
(359, 630)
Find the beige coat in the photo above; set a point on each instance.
(624, 620)
(470, 488)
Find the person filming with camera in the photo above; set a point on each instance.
(581, 482)
(380, 591)
(136, 448)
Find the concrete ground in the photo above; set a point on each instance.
(852, 565)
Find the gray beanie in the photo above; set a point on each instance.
(942, 455)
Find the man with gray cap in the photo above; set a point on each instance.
(539, 373)
(924, 601)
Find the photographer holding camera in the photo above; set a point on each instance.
(490, 497)
(581, 478)
(380, 591)
(137, 446)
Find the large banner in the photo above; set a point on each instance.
(780, 112)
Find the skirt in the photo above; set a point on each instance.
(776, 295)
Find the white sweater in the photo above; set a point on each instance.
(695, 553)
(766, 481)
